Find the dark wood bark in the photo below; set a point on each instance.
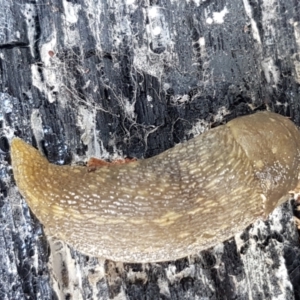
(83, 78)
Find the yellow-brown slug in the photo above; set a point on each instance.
(177, 203)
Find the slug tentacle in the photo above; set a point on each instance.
(182, 201)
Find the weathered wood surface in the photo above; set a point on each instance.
(110, 79)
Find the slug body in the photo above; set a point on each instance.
(182, 201)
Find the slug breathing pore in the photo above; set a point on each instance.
(177, 203)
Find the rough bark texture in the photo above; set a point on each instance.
(111, 79)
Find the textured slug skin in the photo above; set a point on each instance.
(184, 200)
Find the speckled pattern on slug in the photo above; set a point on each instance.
(184, 200)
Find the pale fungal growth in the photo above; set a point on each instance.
(184, 200)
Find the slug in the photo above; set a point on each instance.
(184, 200)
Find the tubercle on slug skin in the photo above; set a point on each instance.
(177, 203)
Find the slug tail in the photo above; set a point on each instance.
(27, 164)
